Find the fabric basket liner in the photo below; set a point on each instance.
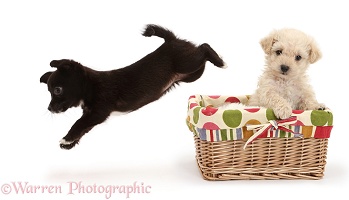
(211, 121)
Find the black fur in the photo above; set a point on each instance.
(125, 89)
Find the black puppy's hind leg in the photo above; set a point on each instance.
(81, 127)
(194, 76)
(212, 56)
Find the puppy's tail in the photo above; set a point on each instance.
(159, 31)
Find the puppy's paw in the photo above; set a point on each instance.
(283, 112)
(64, 144)
(225, 66)
(321, 107)
(316, 106)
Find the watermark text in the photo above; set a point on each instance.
(75, 188)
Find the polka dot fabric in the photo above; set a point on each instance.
(214, 123)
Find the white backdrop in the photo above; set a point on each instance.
(152, 146)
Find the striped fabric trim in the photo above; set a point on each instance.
(239, 133)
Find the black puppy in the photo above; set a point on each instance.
(126, 89)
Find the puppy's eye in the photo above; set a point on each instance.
(58, 90)
(278, 52)
(298, 57)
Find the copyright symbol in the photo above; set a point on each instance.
(6, 189)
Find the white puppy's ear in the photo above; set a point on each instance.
(314, 53)
(268, 42)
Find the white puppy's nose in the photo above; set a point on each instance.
(284, 68)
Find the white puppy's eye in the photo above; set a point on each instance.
(58, 90)
(278, 52)
(298, 57)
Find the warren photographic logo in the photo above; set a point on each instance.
(75, 188)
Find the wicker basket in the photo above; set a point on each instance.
(225, 151)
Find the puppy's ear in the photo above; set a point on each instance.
(60, 63)
(44, 78)
(268, 42)
(314, 53)
(66, 64)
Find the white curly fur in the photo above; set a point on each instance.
(286, 91)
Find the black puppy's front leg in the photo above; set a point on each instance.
(82, 126)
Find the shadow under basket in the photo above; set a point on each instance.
(222, 152)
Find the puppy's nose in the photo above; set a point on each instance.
(284, 68)
(49, 108)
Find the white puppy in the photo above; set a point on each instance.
(284, 85)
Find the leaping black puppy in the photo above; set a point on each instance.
(126, 89)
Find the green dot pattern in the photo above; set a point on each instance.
(270, 114)
(232, 118)
(321, 118)
(196, 115)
